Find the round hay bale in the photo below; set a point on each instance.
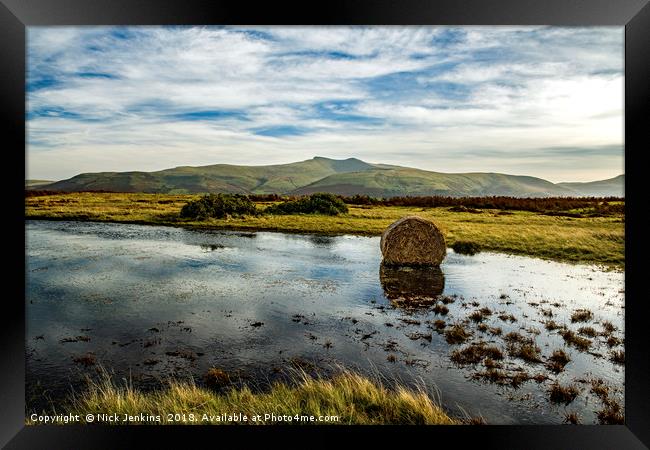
(413, 241)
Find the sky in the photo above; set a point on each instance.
(539, 101)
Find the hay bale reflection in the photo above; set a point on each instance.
(411, 286)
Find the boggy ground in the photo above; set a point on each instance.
(487, 344)
(536, 349)
(599, 240)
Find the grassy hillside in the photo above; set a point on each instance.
(216, 178)
(347, 177)
(415, 182)
(613, 186)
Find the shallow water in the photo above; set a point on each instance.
(150, 302)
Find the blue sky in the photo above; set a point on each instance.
(541, 101)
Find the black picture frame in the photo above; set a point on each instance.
(16, 15)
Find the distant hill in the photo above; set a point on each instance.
(414, 182)
(611, 187)
(280, 178)
(347, 177)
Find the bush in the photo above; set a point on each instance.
(321, 203)
(219, 206)
(466, 247)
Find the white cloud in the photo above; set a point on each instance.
(440, 98)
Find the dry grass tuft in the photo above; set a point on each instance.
(618, 356)
(581, 315)
(475, 353)
(456, 334)
(572, 417)
(557, 361)
(354, 399)
(529, 352)
(587, 331)
(563, 394)
(551, 325)
(216, 378)
(580, 343)
(608, 327)
(88, 359)
(440, 309)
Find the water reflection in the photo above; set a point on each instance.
(211, 247)
(411, 286)
(321, 241)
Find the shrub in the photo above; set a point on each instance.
(320, 203)
(219, 206)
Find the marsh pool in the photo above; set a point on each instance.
(152, 302)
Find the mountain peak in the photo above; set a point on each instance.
(344, 165)
(324, 158)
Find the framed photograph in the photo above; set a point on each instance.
(366, 215)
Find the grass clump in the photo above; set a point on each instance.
(87, 360)
(613, 341)
(618, 357)
(551, 325)
(475, 353)
(517, 338)
(572, 418)
(502, 378)
(440, 309)
(456, 334)
(466, 247)
(587, 331)
(581, 315)
(489, 363)
(494, 331)
(480, 314)
(580, 343)
(611, 415)
(492, 375)
(608, 327)
(527, 351)
(219, 206)
(352, 398)
(563, 394)
(320, 203)
(507, 317)
(439, 324)
(600, 389)
(216, 378)
(557, 361)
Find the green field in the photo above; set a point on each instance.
(599, 240)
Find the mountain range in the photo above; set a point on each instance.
(346, 177)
